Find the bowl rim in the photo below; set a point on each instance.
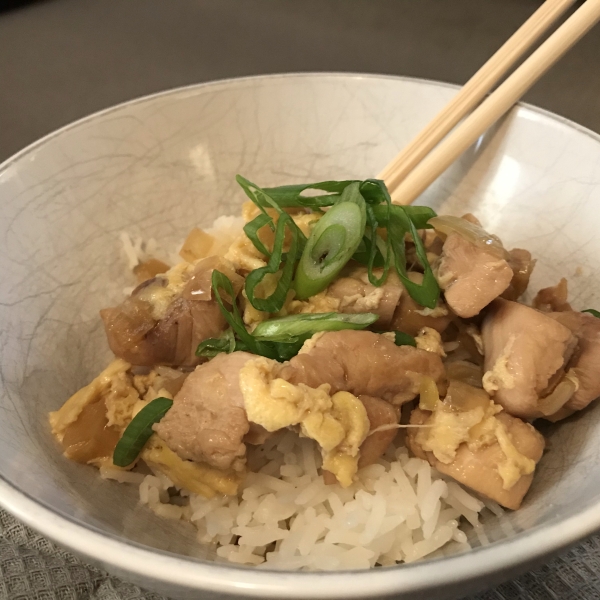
(142, 562)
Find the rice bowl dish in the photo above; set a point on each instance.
(340, 318)
(503, 182)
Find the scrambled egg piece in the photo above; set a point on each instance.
(430, 340)
(244, 256)
(363, 303)
(499, 376)
(194, 477)
(306, 221)
(338, 423)
(516, 465)
(319, 303)
(113, 385)
(468, 416)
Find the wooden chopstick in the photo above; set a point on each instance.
(498, 103)
(474, 91)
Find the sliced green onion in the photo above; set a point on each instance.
(592, 312)
(398, 225)
(212, 346)
(263, 200)
(245, 340)
(319, 266)
(333, 241)
(234, 318)
(290, 196)
(138, 432)
(420, 216)
(252, 228)
(294, 327)
(276, 300)
(403, 339)
(376, 245)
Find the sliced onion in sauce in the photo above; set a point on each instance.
(199, 287)
(471, 232)
(465, 371)
(428, 394)
(562, 393)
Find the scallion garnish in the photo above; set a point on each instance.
(210, 347)
(276, 300)
(139, 430)
(252, 228)
(376, 247)
(592, 312)
(403, 339)
(279, 339)
(220, 281)
(322, 262)
(333, 241)
(263, 201)
(301, 327)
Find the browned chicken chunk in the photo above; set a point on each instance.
(522, 265)
(362, 362)
(357, 295)
(477, 467)
(380, 415)
(585, 363)
(470, 275)
(165, 319)
(411, 317)
(208, 422)
(526, 352)
(554, 298)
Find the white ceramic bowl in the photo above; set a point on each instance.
(162, 164)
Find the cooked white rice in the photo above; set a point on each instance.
(286, 517)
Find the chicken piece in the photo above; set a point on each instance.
(522, 265)
(364, 363)
(584, 364)
(380, 414)
(554, 298)
(357, 295)
(207, 422)
(478, 467)
(410, 317)
(526, 353)
(470, 275)
(166, 318)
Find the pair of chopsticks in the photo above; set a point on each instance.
(429, 154)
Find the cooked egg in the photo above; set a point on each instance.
(338, 422)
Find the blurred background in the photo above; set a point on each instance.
(63, 59)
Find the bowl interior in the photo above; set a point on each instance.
(159, 166)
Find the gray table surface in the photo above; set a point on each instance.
(63, 59)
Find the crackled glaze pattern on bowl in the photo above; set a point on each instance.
(161, 165)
